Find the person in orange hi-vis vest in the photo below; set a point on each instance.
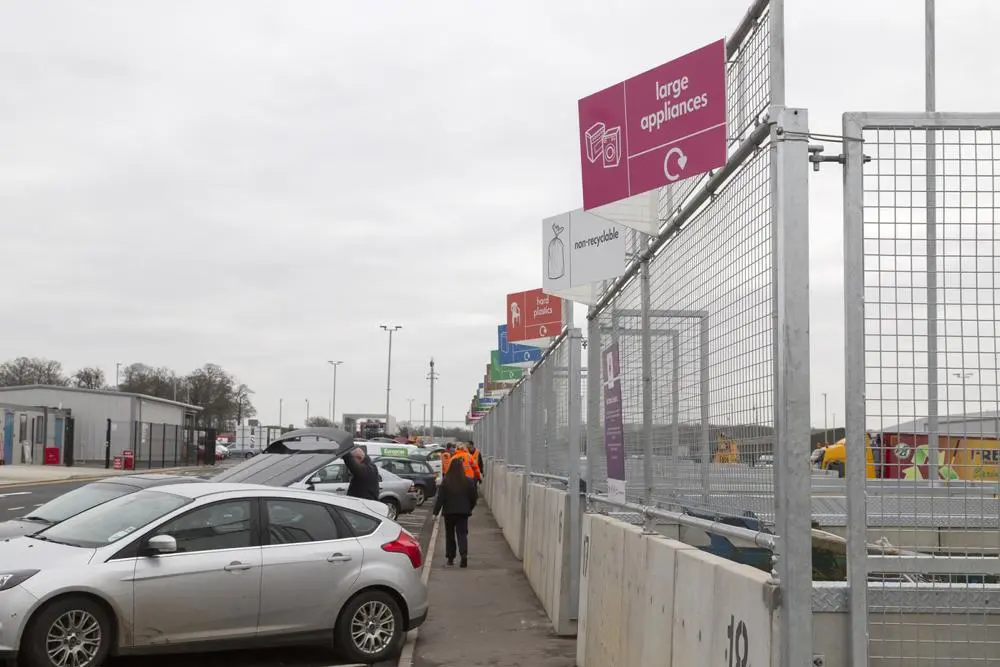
(446, 456)
(468, 463)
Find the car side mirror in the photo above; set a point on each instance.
(161, 544)
(315, 479)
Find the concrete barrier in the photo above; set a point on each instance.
(514, 510)
(647, 601)
(547, 555)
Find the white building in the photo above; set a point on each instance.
(143, 424)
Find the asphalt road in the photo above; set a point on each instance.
(19, 500)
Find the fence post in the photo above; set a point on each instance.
(551, 410)
(647, 392)
(107, 445)
(793, 498)
(594, 432)
(574, 341)
(177, 439)
(163, 447)
(854, 368)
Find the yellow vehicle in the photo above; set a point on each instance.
(834, 457)
(727, 451)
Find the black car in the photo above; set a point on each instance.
(416, 471)
(83, 498)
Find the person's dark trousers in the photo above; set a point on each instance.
(456, 529)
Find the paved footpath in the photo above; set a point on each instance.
(486, 615)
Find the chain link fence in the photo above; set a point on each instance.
(923, 442)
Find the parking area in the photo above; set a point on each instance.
(417, 522)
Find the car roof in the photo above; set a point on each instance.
(147, 480)
(198, 490)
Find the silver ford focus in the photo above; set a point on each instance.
(205, 566)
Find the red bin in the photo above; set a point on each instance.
(128, 458)
(51, 456)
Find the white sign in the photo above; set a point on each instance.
(579, 250)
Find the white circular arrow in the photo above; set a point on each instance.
(681, 162)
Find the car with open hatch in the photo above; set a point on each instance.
(207, 566)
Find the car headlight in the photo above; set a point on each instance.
(14, 578)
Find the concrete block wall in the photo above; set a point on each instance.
(547, 554)
(646, 600)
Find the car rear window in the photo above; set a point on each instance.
(361, 524)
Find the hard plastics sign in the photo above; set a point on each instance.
(658, 127)
(533, 315)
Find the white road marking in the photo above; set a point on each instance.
(14, 509)
(15, 493)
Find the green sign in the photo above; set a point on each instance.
(395, 451)
(500, 373)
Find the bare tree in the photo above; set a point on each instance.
(88, 377)
(31, 370)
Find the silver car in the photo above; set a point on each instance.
(399, 495)
(196, 567)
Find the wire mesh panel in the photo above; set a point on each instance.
(922, 215)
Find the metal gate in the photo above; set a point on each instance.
(922, 313)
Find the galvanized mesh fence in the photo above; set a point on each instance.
(924, 440)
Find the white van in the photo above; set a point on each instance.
(387, 448)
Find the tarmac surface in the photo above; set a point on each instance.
(487, 615)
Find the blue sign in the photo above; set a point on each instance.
(515, 353)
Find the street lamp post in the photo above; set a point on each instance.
(410, 400)
(307, 413)
(333, 405)
(388, 374)
(281, 406)
(118, 368)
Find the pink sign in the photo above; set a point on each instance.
(656, 128)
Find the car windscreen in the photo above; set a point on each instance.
(79, 500)
(114, 520)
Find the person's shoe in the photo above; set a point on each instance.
(451, 562)
(464, 563)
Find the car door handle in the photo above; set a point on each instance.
(237, 566)
(338, 558)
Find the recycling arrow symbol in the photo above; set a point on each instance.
(682, 161)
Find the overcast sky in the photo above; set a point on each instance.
(262, 184)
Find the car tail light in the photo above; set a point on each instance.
(405, 544)
(413, 488)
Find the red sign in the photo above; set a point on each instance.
(128, 458)
(656, 128)
(117, 463)
(533, 315)
(51, 456)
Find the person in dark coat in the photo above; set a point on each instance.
(456, 499)
(364, 475)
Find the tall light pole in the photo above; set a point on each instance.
(388, 373)
(118, 369)
(410, 401)
(432, 376)
(333, 406)
(425, 419)
(442, 421)
(281, 406)
(307, 412)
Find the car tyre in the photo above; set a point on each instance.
(69, 626)
(420, 495)
(370, 628)
(393, 506)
